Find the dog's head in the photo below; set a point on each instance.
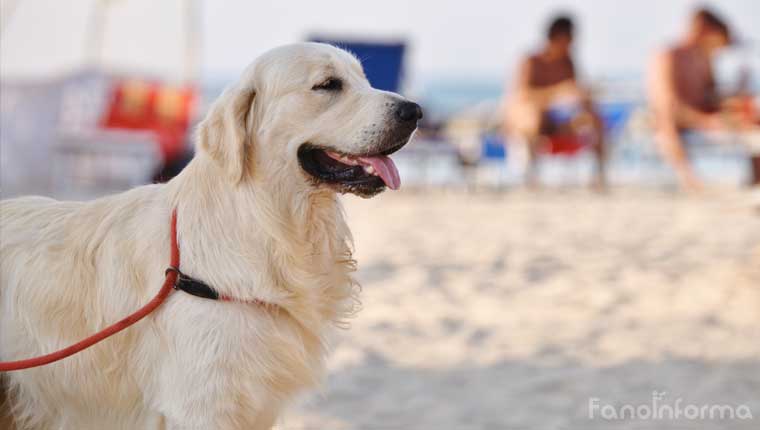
(306, 114)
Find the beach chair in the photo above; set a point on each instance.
(491, 167)
(141, 126)
(383, 62)
(724, 157)
(566, 147)
(160, 109)
(721, 157)
(613, 114)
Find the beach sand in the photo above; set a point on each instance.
(517, 310)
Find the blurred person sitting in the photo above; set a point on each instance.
(684, 97)
(547, 101)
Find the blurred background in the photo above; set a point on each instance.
(104, 67)
(488, 304)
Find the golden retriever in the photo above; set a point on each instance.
(258, 219)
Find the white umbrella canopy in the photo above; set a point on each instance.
(42, 39)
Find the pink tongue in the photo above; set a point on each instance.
(385, 168)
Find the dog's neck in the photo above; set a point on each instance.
(272, 242)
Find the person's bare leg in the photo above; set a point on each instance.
(755, 179)
(671, 147)
(590, 123)
(531, 169)
(527, 124)
(599, 182)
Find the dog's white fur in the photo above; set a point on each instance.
(250, 223)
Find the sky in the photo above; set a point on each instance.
(446, 37)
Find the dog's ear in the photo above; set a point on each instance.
(225, 133)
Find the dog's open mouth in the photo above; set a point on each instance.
(364, 175)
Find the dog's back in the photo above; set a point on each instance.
(8, 213)
(22, 222)
(27, 226)
(56, 272)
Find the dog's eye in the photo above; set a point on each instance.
(330, 84)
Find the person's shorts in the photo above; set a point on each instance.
(559, 118)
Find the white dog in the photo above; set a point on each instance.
(258, 219)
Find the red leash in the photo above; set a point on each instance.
(166, 289)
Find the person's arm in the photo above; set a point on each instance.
(664, 104)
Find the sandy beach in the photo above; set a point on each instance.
(517, 310)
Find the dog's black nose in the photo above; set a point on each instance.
(409, 111)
